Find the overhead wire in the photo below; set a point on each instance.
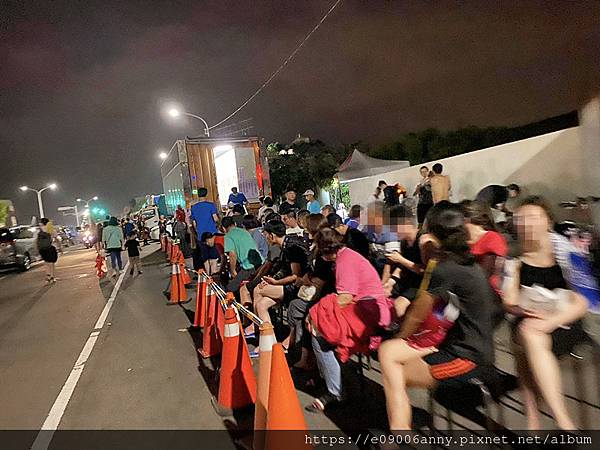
(280, 68)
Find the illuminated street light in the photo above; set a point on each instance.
(39, 195)
(162, 155)
(175, 112)
(87, 202)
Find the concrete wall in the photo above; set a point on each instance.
(549, 165)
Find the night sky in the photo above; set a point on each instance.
(82, 83)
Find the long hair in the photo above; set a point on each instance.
(447, 223)
(479, 213)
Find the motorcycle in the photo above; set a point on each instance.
(88, 239)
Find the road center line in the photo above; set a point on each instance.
(50, 425)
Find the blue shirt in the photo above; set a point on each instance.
(202, 214)
(314, 207)
(237, 199)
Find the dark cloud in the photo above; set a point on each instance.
(82, 83)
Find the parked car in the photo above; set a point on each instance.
(17, 247)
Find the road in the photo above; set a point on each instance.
(137, 365)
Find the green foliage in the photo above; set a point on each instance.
(432, 144)
(311, 166)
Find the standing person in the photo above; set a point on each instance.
(46, 250)
(237, 198)
(353, 220)
(440, 184)
(377, 196)
(342, 211)
(423, 191)
(112, 237)
(290, 201)
(209, 255)
(128, 227)
(204, 214)
(180, 230)
(98, 243)
(133, 253)
(540, 337)
(313, 205)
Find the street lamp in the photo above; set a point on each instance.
(39, 195)
(87, 202)
(162, 155)
(175, 113)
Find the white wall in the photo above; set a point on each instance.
(549, 165)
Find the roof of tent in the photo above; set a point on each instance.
(358, 165)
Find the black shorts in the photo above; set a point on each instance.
(242, 275)
(49, 254)
(290, 292)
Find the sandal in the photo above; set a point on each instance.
(320, 403)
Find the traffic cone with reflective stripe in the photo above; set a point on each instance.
(265, 348)
(200, 313)
(237, 383)
(184, 272)
(211, 336)
(284, 411)
(178, 293)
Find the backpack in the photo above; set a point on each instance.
(44, 240)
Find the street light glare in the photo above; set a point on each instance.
(174, 112)
(162, 155)
(23, 188)
(95, 197)
(52, 186)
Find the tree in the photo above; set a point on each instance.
(309, 165)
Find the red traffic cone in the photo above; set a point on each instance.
(284, 410)
(200, 313)
(178, 293)
(237, 383)
(265, 347)
(211, 336)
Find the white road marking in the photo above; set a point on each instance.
(50, 425)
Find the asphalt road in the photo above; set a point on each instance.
(143, 371)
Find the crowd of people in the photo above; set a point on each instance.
(425, 284)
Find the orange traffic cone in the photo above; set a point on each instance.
(178, 293)
(211, 336)
(184, 272)
(237, 383)
(284, 411)
(265, 347)
(200, 313)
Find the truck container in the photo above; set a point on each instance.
(217, 164)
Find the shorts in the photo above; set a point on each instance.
(444, 366)
(134, 260)
(564, 340)
(290, 292)
(236, 282)
(49, 254)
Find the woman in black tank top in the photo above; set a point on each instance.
(539, 336)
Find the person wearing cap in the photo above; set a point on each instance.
(312, 204)
(290, 201)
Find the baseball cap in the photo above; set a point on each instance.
(309, 192)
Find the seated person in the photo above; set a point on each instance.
(405, 265)
(318, 281)
(346, 322)
(544, 330)
(293, 263)
(252, 225)
(290, 219)
(468, 344)
(351, 237)
(244, 257)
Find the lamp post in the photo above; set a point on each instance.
(87, 202)
(39, 195)
(174, 112)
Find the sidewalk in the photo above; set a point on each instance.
(145, 373)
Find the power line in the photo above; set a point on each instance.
(280, 68)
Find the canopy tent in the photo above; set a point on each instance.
(358, 165)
